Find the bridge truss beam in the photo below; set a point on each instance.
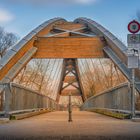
(70, 78)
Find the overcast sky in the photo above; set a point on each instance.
(21, 16)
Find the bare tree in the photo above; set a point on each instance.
(6, 41)
(34, 75)
(100, 76)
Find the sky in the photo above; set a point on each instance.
(21, 16)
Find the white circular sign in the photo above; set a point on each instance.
(134, 27)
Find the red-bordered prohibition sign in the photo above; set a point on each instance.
(134, 27)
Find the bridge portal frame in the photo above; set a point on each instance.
(16, 58)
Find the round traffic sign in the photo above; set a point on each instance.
(134, 26)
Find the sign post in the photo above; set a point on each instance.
(133, 63)
(133, 41)
(133, 93)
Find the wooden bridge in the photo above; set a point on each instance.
(69, 48)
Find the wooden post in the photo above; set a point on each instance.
(7, 99)
(70, 109)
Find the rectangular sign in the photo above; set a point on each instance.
(133, 39)
(133, 61)
(133, 57)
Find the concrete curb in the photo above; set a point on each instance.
(110, 113)
(135, 119)
(4, 120)
(27, 115)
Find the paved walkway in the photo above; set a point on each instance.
(85, 125)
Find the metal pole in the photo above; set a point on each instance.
(133, 94)
(70, 109)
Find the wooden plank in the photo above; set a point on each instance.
(69, 47)
(13, 72)
(74, 92)
(63, 34)
(14, 59)
(61, 81)
(69, 26)
(80, 81)
(69, 79)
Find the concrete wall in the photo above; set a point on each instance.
(115, 98)
(17, 97)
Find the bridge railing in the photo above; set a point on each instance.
(115, 98)
(15, 97)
